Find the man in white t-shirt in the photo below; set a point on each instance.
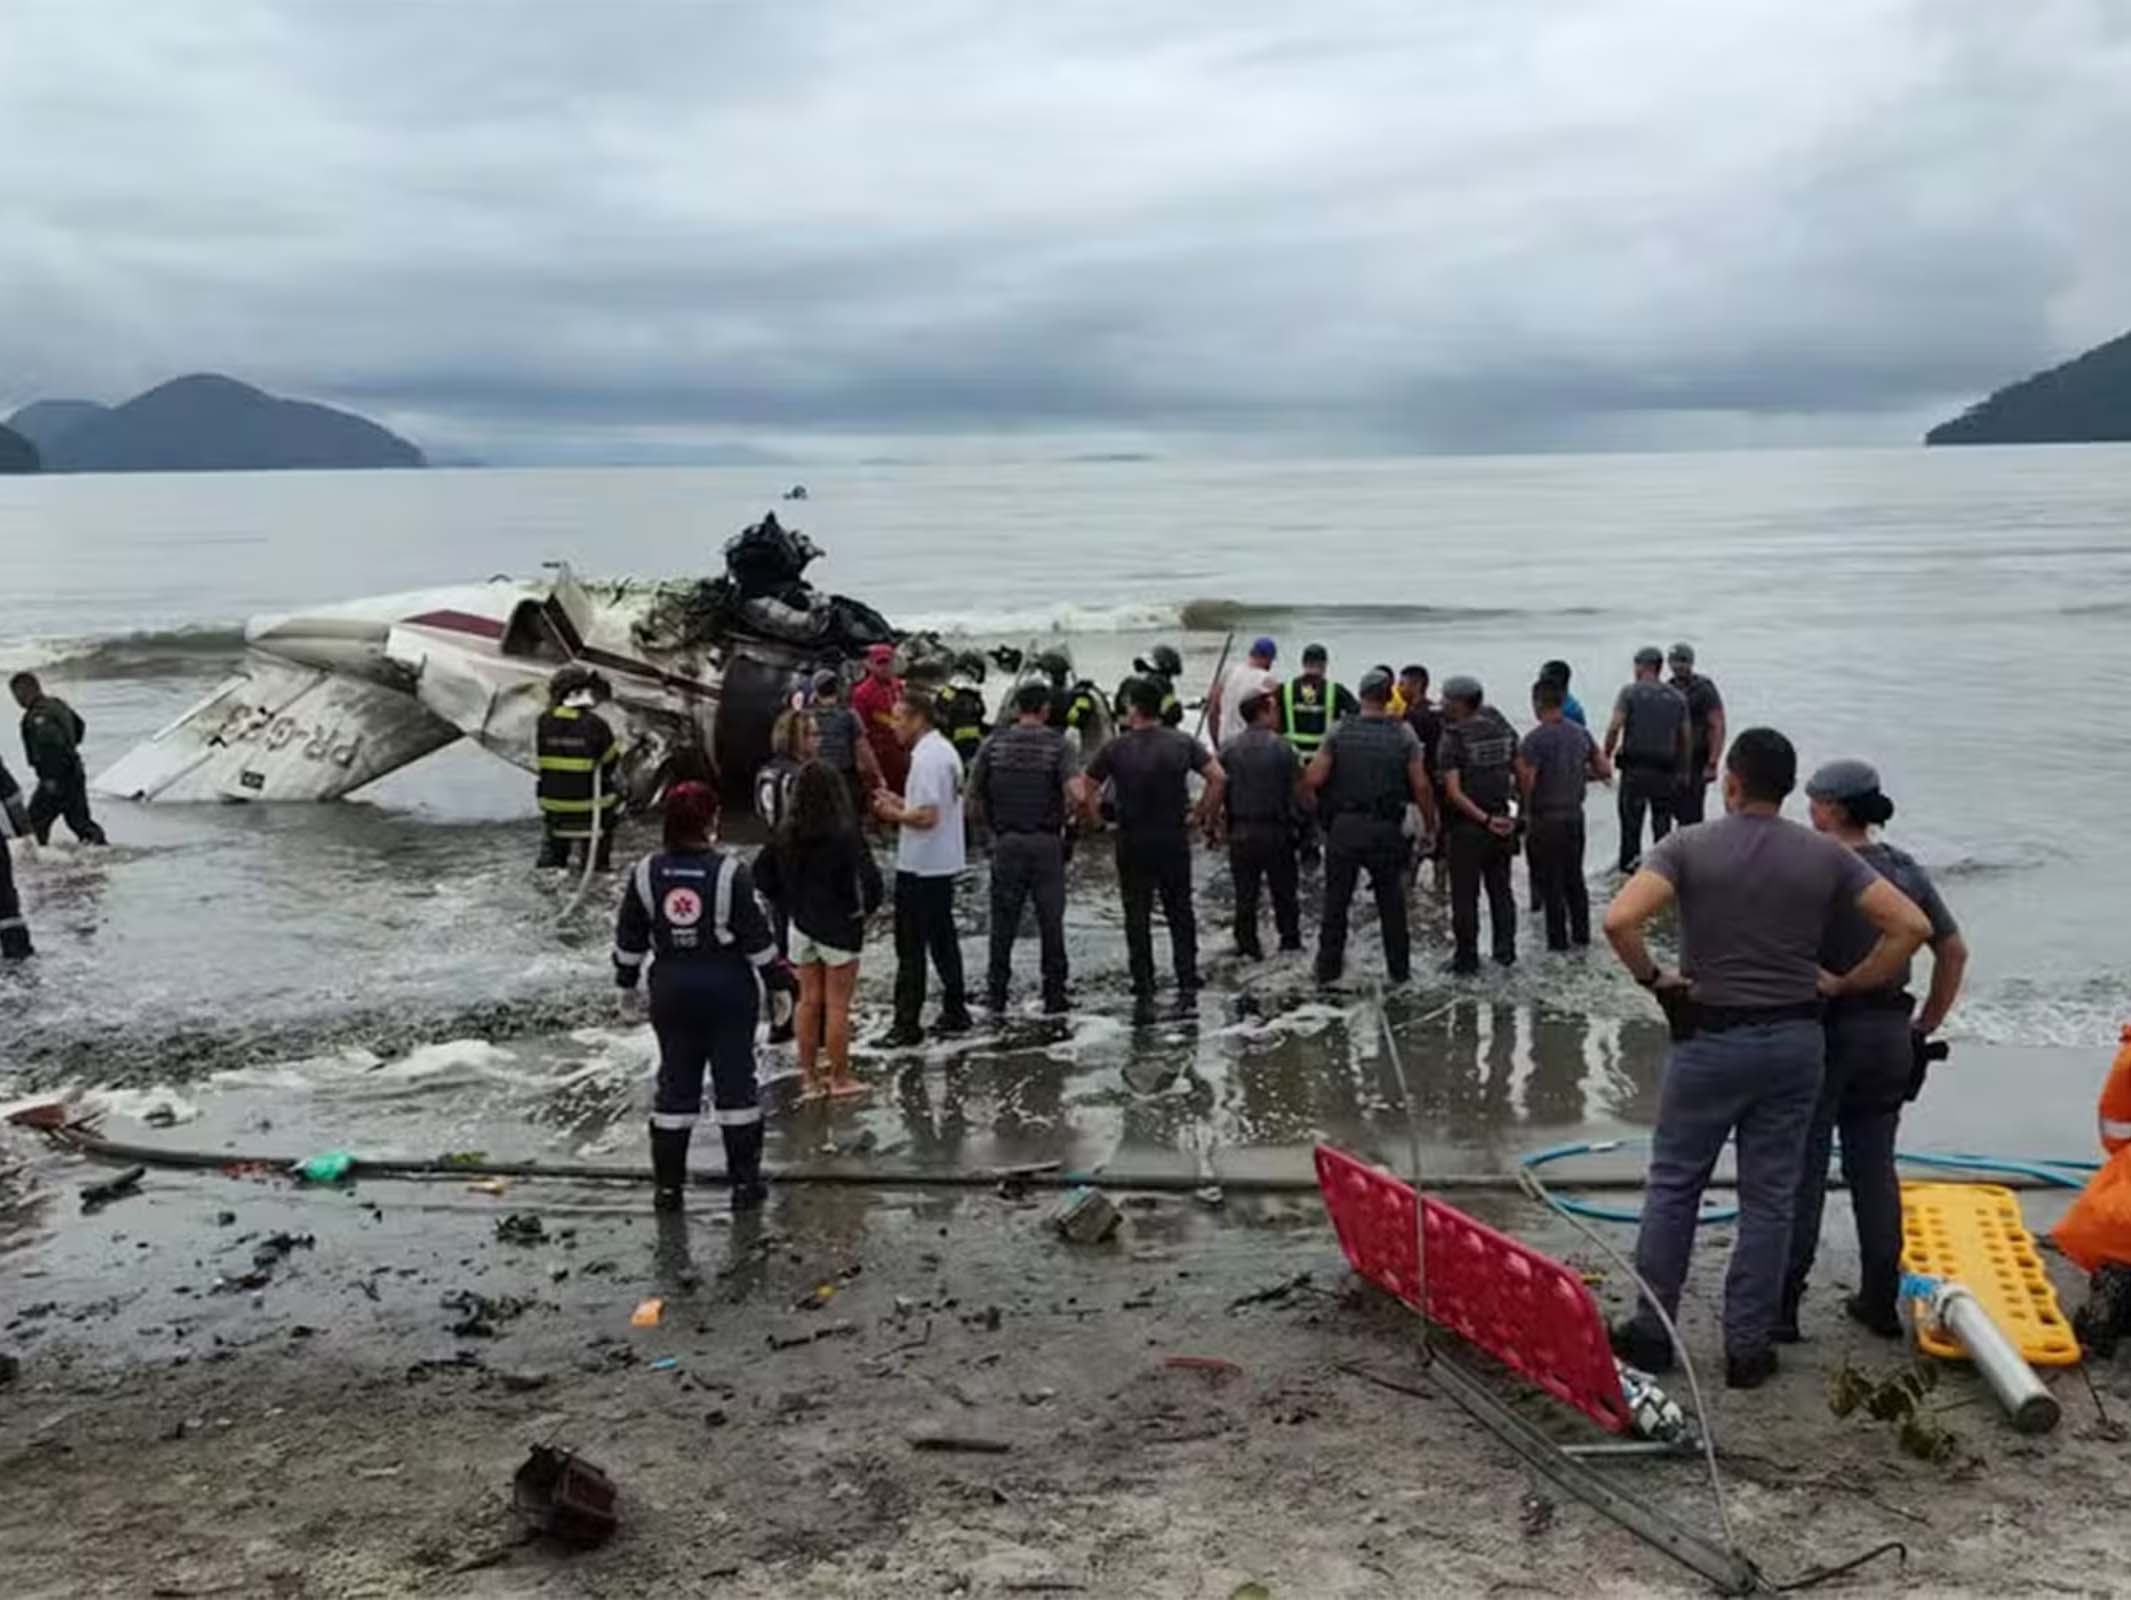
(929, 856)
(1224, 706)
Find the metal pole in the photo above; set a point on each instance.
(2033, 1408)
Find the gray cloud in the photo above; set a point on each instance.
(529, 228)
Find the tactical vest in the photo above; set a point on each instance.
(963, 721)
(1306, 709)
(577, 751)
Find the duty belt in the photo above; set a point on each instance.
(1878, 1000)
(1723, 1019)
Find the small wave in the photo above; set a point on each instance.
(1207, 615)
(2097, 608)
(150, 653)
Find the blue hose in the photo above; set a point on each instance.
(2043, 1169)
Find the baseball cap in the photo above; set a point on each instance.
(1843, 780)
(880, 652)
(1265, 648)
(1463, 687)
(1375, 686)
(826, 683)
(1683, 652)
(1315, 652)
(1649, 656)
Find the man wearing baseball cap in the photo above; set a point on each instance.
(1705, 732)
(1224, 703)
(875, 701)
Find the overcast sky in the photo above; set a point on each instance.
(625, 230)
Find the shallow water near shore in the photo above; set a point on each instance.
(387, 974)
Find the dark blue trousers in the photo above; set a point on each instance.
(1760, 1085)
(1869, 1061)
(704, 1014)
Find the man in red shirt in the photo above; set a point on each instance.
(875, 700)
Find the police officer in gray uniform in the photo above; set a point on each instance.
(1649, 742)
(1020, 781)
(1260, 825)
(1364, 775)
(1877, 1042)
(1757, 897)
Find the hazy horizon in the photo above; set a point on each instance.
(658, 233)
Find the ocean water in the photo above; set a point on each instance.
(1960, 618)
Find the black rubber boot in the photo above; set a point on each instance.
(1632, 1345)
(743, 1165)
(2101, 1323)
(669, 1167)
(15, 942)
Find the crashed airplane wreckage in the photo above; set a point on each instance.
(327, 701)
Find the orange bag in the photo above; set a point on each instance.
(2097, 1229)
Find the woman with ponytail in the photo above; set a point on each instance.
(1876, 1042)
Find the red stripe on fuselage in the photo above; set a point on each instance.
(458, 622)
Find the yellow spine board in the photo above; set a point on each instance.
(1973, 1233)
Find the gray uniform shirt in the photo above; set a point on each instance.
(1654, 713)
(1480, 749)
(1262, 768)
(838, 731)
(1850, 937)
(1370, 756)
(1758, 896)
(1020, 776)
(1560, 755)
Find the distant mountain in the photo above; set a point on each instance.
(2085, 401)
(209, 423)
(43, 421)
(17, 454)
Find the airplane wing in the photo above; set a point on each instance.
(279, 731)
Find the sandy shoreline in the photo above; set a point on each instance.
(327, 1434)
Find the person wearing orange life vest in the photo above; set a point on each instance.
(2096, 1232)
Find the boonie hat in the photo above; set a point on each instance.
(1463, 687)
(1683, 651)
(1648, 656)
(1843, 780)
(1265, 648)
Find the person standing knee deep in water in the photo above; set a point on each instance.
(1875, 1043)
(52, 732)
(690, 912)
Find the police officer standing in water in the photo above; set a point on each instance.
(1258, 824)
(690, 910)
(1758, 898)
(579, 771)
(1477, 760)
(51, 738)
(1364, 776)
(1147, 767)
(1648, 741)
(1705, 732)
(1021, 783)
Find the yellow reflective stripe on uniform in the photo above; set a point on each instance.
(567, 713)
(606, 802)
(567, 764)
